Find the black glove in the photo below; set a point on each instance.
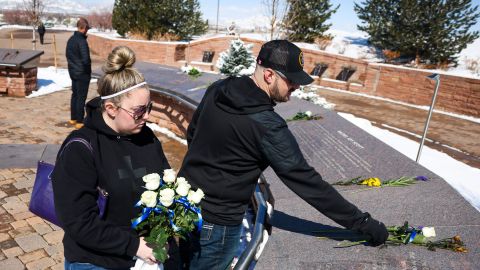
(374, 229)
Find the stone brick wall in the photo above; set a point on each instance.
(196, 48)
(18, 83)
(456, 94)
(166, 53)
(171, 113)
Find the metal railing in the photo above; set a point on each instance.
(261, 228)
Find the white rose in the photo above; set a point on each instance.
(308, 113)
(195, 196)
(152, 181)
(149, 198)
(169, 176)
(428, 231)
(181, 180)
(182, 188)
(166, 196)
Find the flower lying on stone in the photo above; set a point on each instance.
(307, 115)
(376, 182)
(400, 235)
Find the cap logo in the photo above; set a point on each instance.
(300, 59)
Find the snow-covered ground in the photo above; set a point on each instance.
(465, 179)
(50, 80)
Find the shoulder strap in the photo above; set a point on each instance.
(92, 145)
(80, 140)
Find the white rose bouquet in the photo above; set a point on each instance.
(170, 209)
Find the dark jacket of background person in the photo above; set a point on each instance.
(78, 57)
(41, 29)
(117, 165)
(235, 135)
(41, 32)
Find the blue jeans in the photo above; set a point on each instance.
(215, 247)
(81, 266)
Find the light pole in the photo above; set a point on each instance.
(436, 78)
(218, 11)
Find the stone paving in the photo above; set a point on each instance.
(27, 241)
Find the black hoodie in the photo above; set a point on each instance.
(235, 135)
(117, 165)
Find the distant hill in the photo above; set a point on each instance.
(55, 6)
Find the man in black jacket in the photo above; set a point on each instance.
(41, 32)
(235, 135)
(80, 71)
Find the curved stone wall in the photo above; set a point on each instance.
(171, 112)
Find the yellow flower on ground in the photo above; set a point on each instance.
(372, 182)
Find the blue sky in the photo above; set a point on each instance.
(344, 19)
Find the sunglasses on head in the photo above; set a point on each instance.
(140, 111)
(281, 75)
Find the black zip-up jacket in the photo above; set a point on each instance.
(41, 29)
(235, 135)
(78, 57)
(117, 165)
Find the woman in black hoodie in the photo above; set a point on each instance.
(123, 150)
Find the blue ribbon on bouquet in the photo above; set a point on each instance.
(188, 206)
(171, 214)
(412, 236)
(145, 213)
(183, 201)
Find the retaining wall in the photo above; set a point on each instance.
(456, 94)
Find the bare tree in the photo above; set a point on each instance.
(274, 13)
(33, 10)
(102, 20)
(15, 16)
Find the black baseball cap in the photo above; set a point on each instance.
(285, 57)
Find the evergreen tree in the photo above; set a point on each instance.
(177, 18)
(124, 17)
(306, 19)
(431, 31)
(189, 19)
(238, 60)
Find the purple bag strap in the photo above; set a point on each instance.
(102, 198)
(80, 140)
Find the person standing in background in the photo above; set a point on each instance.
(80, 71)
(41, 31)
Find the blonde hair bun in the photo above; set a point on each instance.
(119, 59)
(119, 73)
